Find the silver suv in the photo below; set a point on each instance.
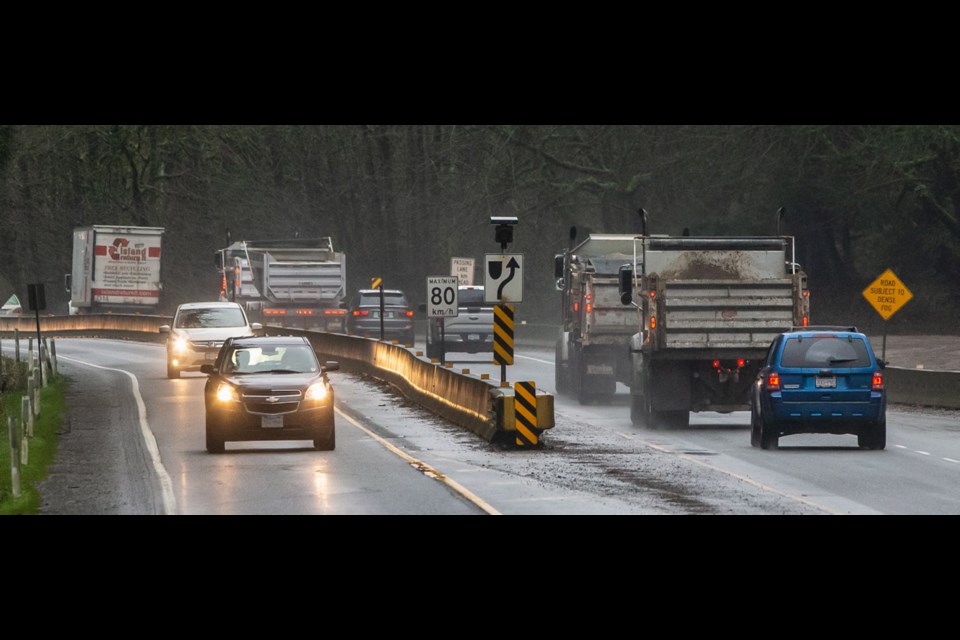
(199, 330)
(469, 332)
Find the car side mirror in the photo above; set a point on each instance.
(164, 328)
(882, 363)
(331, 365)
(206, 368)
(256, 326)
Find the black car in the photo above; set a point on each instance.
(268, 388)
(820, 380)
(363, 315)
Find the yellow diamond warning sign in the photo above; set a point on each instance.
(887, 294)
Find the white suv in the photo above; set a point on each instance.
(199, 330)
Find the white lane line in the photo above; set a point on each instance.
(952, 460)
(534, 359)
(424, 468)
(899, 446)
(923, 453)
(169, 502)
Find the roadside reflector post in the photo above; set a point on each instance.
(14, 456)
(26, 413)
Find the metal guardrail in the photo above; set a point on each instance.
(392, 362)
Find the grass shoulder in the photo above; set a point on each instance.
(42, 447)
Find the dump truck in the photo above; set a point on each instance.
(709, 308)
(298, 282)
(115, 269)
(593, 346)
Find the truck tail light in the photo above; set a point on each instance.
(304, 312)
(274, 312)
(877, 382)
(773, 381)
(806, 321)
(589, 307)
(335, 312)
(653, 322)
(360, 312)
(409, 314)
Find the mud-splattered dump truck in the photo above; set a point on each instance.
(708, 307)
(593, 346)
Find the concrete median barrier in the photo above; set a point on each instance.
(923, 387)
(468, 400)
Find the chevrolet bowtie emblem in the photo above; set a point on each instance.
(273, 399)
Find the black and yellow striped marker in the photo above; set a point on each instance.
(525, 411)
(375, 282)
(503, 334)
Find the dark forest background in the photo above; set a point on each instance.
(401, 200)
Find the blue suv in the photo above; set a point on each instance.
(820, 380)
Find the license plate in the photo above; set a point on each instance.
(271, 422)
(826, 383)
(473, 336)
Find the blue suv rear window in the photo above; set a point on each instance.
(825, 351)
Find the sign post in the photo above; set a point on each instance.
(887, 294)
(38, 302)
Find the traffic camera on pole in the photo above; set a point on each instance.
(504, 231)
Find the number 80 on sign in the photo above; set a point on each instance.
(442, 296)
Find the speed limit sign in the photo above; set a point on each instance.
(442, 296)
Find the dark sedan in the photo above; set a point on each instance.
(363, 316)
(269, 388)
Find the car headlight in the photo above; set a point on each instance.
(227, 393)
(180, 345)
(316, 391)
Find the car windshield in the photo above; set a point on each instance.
(470, 298)
(373, 299)
(210, 318)
(825, 351)
(270, 359)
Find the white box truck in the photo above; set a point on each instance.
(115, 269)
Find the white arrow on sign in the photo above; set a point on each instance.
(503, 277)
